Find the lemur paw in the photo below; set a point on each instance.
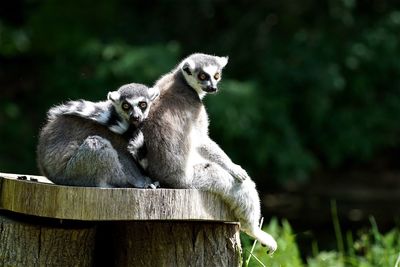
(239, 173)
(154, 185)
(266, 240)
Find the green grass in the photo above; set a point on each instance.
(368, 248)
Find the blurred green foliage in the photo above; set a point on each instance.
(310, 85)
(287, 254)
(370, 249)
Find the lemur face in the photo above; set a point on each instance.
(132, 102)
(203, 72)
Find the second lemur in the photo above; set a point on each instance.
(182, 155)
(86, 143)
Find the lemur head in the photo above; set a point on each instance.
(132, 101)
(203, 72)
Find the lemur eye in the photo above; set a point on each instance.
(202, 76)
(142, 105)
(217, 75)
(126, 106)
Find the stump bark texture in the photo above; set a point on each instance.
(27, 241)
(177, 244)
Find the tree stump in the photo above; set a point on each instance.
(177, 244)
(42, 224)
(29, 241)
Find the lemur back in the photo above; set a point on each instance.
(85, 143)
(61, 140)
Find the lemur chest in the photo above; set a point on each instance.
(195, 138)
(198, 131)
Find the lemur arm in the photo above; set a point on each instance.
(212, 152)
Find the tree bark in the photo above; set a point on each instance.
(28, 241)
(177, 244)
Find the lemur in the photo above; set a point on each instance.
(180, 152)
(86, 143)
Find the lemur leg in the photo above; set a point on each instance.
(212, 152)
(134, 175)
(242, 197)
(97, 161)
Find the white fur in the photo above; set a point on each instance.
(104, 116)
(193, 158)
(154, 92)
(211, 70)
(113, 96)
(191, 64)
(88, 109)
(136, 143)
(74, 106)
(222, 61)
(134, 101)
(53, 113)
(192, 81)
(120, 128)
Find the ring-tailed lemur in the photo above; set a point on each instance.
(180, 152)
(86, 143)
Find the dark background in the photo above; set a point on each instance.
(310, 99)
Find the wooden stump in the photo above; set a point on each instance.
(29, 241)
(113, 227)
(177, 244)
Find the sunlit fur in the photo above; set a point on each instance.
(180, 152)
(192, 66)
(85, 143)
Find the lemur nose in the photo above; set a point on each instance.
(135, 118)
(211, 89)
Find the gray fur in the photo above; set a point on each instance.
(181, 154)
(85, 143)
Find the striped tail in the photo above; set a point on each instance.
(99, 112)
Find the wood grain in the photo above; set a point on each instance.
(108, 204)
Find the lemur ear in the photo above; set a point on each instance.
(188, 66)
(154, 92)
(222, 61)
(113, 96)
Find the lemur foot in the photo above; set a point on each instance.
(266, 240)
(239, 173)
(154, 185)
